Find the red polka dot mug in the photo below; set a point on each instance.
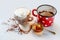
(45, 14)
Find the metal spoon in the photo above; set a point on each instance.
(51, 31)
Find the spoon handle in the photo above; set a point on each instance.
(51, 31)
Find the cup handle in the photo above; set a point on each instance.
(33, 12)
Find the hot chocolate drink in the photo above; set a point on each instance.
(46, 13)
(22, 15)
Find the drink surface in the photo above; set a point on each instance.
(46, 13)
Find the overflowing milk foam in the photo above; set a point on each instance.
(22, 12)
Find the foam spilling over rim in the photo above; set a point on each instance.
(22, 12)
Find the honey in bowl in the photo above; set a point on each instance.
(37, 28)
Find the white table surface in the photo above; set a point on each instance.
(7, 8)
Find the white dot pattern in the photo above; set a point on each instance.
(40, 17)
(45, 25)
(50, 21)
(43, 21)
(46, 18)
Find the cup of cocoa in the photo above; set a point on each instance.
(23, 15)
(45, 14)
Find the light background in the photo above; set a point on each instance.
(7, 8)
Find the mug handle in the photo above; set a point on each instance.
(33, 12)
